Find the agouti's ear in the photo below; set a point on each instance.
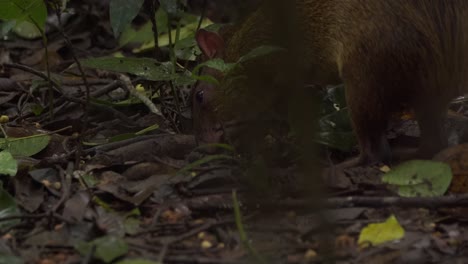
(210, 43)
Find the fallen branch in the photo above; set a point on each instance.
(374, 202)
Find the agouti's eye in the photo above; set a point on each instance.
(199, 96)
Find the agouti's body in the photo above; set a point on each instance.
(389, 54)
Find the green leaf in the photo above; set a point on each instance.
(144, 67)
(33, 11)
(145, 33)
(138, 261)
(132, 135)
(337, 96)
(259, 52)
(170, 6)
(380, 233)
(217, 64)
(162, 21)
(90, 180)
(26, 146)
(127, 102)
(10, 259)
(8, 165)
(223, 146)
(204, 160)
(224, 67)
(418, 178)
(122, 137)
(148, 129)
(8, 208)
(142, 35)
(334, 126)
(335, 130)
(122, 12)
(184, 80)
(36, 109)
(27, 30)
(338, 120)
(205, 78)
(186, 31)
(132, 225)
(108, 248)
(344, 141)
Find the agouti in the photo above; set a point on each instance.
(389, 54)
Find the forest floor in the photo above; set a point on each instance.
(116, 182)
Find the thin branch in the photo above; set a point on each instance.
(373, 202)
(35, 72)
(83, 77)
(154, 6)
(127, 84)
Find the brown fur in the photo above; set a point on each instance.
(389, 54)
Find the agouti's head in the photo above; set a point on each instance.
(207, 126)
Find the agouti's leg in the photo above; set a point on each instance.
(369, 114)
(431, 119)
